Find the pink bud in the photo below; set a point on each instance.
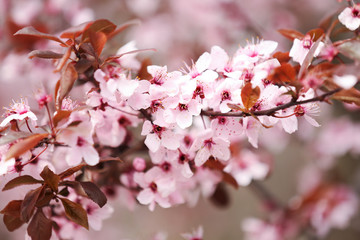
(139, 164)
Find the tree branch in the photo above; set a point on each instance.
(271, 111)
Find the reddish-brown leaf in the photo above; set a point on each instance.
(249, 95)
(12, 223)
(45, 197)
(12, 208)
(60, 115)
(67, 80)
(94, 193)
(12, 136)
(228, 178)
(291, 34)
(75, 212)
(101, 25)
(63, 60)
(316, 33)
(285, 73)
(28, 205)
(40, 227)
(51, 179)
(122, 27)
(98, 41)
(24, 145)
(74, 32)
(45, 54)
(350, 49)
(69, 172)
(11, 213)
(143, 73)
(31, 31)
(19, 181)
(212, 163)
(349, 96)
(220, 198)
(84, 64)
(282, 57)
(76, 186)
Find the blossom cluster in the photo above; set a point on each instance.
(158, 137)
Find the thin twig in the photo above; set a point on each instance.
(262, 193)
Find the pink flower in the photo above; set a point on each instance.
(195, 235)
(208, 144)
(182, 111)
(350, 17)
(139, 164)
(157, 188)
(18, 111)
(157, 136)
(246, 167)
(309, 109)
(334, 210)
(42, 97)
(256, 229)
(301, 48)
(80, 142)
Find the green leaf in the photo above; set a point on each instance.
(94, 193)
(75, 212)
(19, 181)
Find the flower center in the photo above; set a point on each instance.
(199, 92)
(299, 111)
(208, 143)
(153, 187)
(225, 95)
(183, 107)
(80, 142)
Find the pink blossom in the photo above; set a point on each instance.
(157, 187)
(18, 111)
(195, 235)
(139, 164)
(350, 17)
(301, 48)
(80, 141)
(157, 136)
(334, 210)
(207, 144)
(42, 97)
(247, 166)
(256, 229)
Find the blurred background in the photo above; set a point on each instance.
(181, 31)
